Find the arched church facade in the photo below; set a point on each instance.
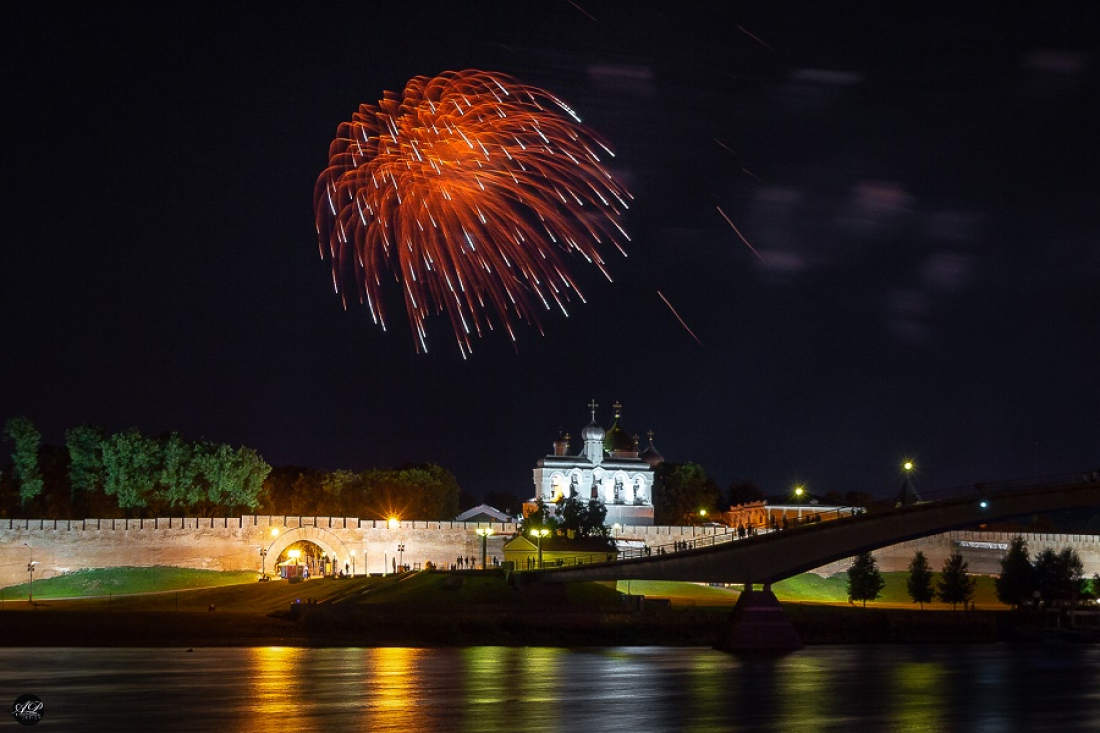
(608, 468)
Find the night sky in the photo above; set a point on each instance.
(921, 186)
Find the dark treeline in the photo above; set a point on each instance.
(128, 474)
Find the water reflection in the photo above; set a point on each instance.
(919, 690)
(487, 689)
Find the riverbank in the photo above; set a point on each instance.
(428, 609)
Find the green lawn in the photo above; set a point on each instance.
(426, 590)
(804, 588)
(121, 581)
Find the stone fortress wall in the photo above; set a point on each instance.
(63, 546)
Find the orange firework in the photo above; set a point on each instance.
(467, 190)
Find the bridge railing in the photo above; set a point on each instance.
(992, 488)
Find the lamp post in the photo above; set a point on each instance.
(538, 534)
(401, 555)
(353, 563)
(264, 552)
(30, 569)
(484, 534)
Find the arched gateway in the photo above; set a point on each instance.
(329, 543)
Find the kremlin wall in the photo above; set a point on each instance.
(374, 546)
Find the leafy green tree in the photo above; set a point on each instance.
(418, 491)
(339, 488)
(26, 439)
(919, 582)
(680, 491)
(865, 582)
(1016, 584)
(84, 444)
(129, 465)
(177, 471)
(955, 585)
(543, 517)
(1059, 576)
(226, 478)
(582, 519)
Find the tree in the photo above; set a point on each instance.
(680, 491)
(1059, 575)
(129, 462)
(919, 582)
(26, 438)
(1016, 585)
(84, 444)
(542, 518)
(865, 582)
(177, 472)
(582, 519)
(956, 586)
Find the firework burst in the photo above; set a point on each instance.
(467, 190)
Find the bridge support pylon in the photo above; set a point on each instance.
(758, 624)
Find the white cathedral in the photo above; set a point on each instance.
(608, 468)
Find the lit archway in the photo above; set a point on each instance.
(328, 542)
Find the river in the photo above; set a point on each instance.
(974, 688)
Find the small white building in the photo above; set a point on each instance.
(608, 468)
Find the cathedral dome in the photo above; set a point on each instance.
(650, 455)
(617, 440)
(592, 431)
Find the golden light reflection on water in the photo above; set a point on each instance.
(919, 705)
(393, 690)
(273, 672)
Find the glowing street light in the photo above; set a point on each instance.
(798, 492)
(393, 523)
(908, 466)
(538, 534)
(484, 534)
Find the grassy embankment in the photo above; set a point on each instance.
(112, 584)
(160, 607)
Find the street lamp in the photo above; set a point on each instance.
(401, 555)
(353, 563)
(798, 492)
(484, 534)
(263, 563)
(30, 569)
(538, 534)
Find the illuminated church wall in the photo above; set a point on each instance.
(608, 468)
